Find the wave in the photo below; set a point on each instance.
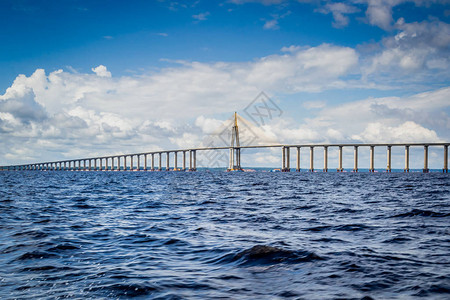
(268, 255)
(422, 213)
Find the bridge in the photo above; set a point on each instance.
(126, 162)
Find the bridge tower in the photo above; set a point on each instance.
(235, 150)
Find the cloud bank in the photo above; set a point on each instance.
(57, 115)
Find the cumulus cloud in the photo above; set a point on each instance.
(377, 12)
(339, 11)
(101, 71)
(418, 46)
(406, 132)
(56, 115)
(142, 112)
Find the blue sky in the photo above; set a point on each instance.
(112, 77)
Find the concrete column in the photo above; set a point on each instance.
(288, 159)
(311, 159)
(298, 160)
(184, 160)
(195, 160)
(160, 161)
(372, 162)
(283, 159)
(101, 164)
(340, 168)
(231, 167)
(389, 157)
(325, 158)
(112, 163)
(145, 162)
(131, 163)
(190, 160)
(84, 165)
(445, 169)
(167, 161)
(175, 161)
(95, 164)
(425, 159)
(153, 162)
(406, 159)
(355, 159)
(106, 163)
(139, 162)
(125, 163)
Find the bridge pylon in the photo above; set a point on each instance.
(235, 150)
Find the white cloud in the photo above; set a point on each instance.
(314, 104)
(339, 11)
(71, 114)
(408, 132)
(271, 24)
(101, 71)
(417, 53)
(201, 16)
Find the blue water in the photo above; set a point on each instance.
(217, 235)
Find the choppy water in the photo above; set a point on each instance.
(214, 235)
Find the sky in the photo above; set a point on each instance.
(85, 78)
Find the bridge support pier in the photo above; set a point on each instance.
(325, 159)
(287, 157)
(340, 168)
(160, 161)
(167, 161)
(406, 159)
(145, 162)
(372, 155)
(389, 159)
(425, 159)
(192, 160)
(311, 159)
(298, 160)
(175, 161)
(445, 169)
(355, 159)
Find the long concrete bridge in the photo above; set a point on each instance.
(125, 162)
(152, 161)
